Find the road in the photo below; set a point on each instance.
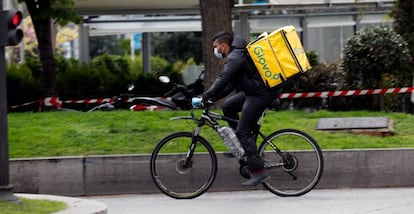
(353, 201)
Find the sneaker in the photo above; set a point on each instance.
(257, 178)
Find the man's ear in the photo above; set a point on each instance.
(227, 48)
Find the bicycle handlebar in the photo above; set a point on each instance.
(197, 102)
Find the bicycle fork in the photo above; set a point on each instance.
(187, 162)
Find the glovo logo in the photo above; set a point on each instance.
(298, 51)
(260, 53)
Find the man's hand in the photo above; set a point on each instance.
(206, 102)
(197, 102)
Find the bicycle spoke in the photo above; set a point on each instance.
(187, 173)
(294, 162)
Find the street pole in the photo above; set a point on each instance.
(6, 192)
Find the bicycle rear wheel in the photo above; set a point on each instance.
(294, 161)
(178, 176)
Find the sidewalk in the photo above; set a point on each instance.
(326, 201)
(75, 205)
(319, 201)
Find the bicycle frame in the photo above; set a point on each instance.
(296, 171)
(210, 118)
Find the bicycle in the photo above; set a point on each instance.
(293, 159)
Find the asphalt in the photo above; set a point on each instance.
(318, 201)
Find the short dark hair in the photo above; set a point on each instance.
(223, 37)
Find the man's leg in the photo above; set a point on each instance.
(232, 106)
(251, 112)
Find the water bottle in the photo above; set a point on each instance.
(196, 102)
(231, 141)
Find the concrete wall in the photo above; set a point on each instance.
(120, 174)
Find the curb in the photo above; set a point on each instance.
(129, 174)
(75, 205)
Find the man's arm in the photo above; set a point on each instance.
(227, 80)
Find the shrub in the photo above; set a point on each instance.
(21, 85)
(404, 21)
(80, 81)
(135, 66)
(160, 66)
(372, 54)
(149, 85)
(35, 66)
(115, 73)
(105, 76)
(321, 77)
(313, 58)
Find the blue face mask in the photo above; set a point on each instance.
(217, 54)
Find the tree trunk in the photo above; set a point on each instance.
(216, 17)
(43, 29)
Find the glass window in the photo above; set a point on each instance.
(328, 42)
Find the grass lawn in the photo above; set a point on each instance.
(124, 132)
(30, 206)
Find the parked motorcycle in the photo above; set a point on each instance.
(178, 98)
(117, 102)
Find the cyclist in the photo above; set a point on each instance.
(252, 97)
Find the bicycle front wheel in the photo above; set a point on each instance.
(183, 166)
(294, 161)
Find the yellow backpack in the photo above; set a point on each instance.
(278, 55)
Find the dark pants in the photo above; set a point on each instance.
(251, 108)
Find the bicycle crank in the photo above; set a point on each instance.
(244, 170)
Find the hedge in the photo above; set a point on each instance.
(105, 76)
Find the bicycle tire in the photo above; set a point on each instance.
(172, 177)
(300, 168)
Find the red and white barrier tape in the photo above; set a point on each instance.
(88, 101)
(54, 101)
(24, 104)
(344, 93)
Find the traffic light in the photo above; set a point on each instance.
(9, 33)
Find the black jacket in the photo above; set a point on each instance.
(239, 73)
